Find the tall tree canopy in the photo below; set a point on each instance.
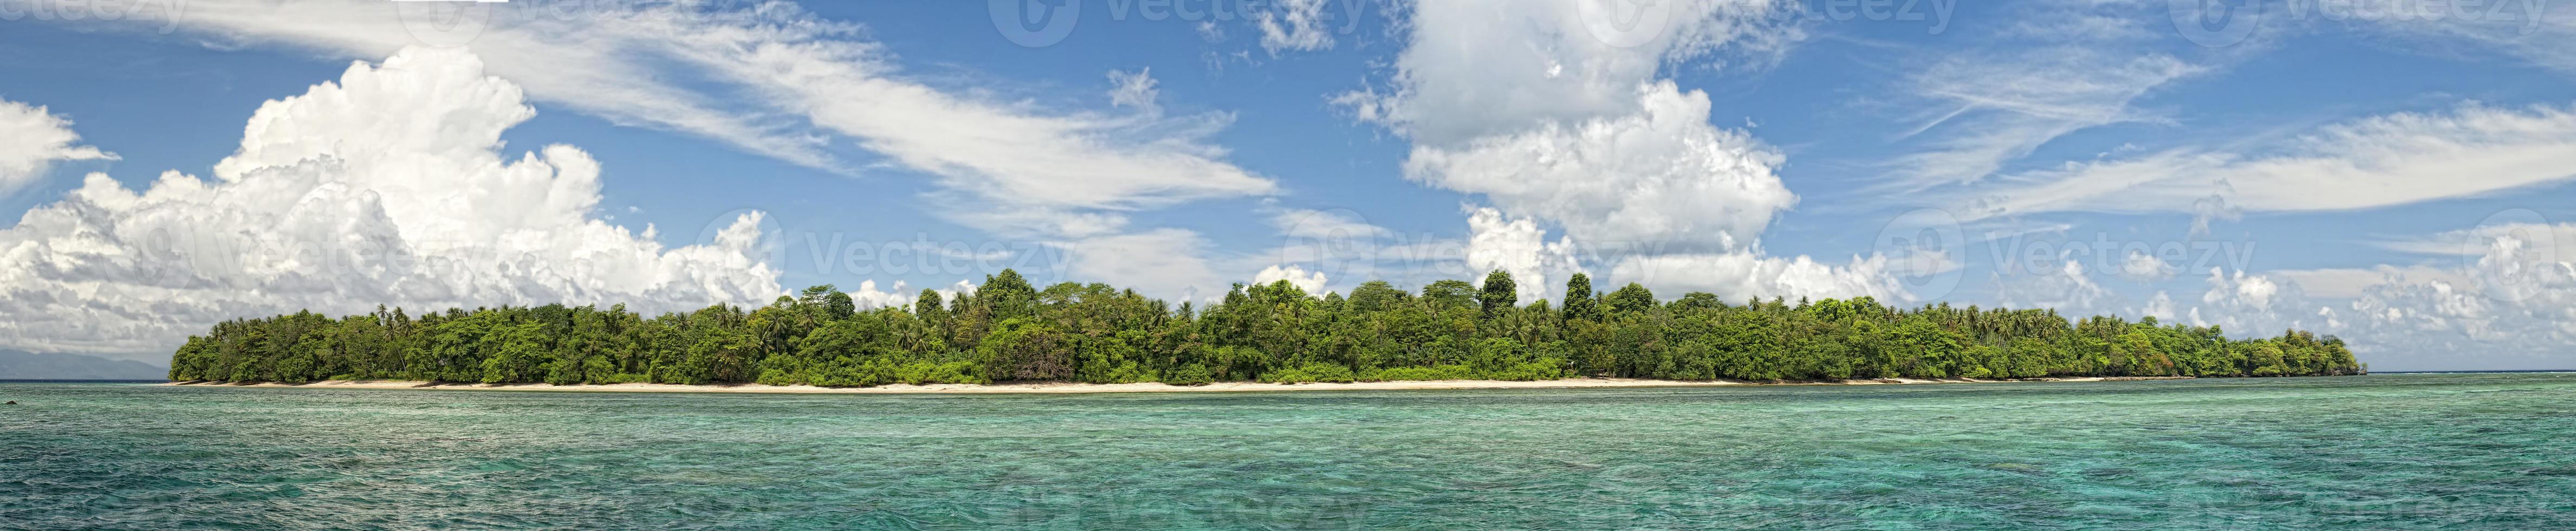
(1579, 301)
(1451, 293)
(1009, 331)
(1499, 293)
(1630, 299)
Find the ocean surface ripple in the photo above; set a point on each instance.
(2433, 451)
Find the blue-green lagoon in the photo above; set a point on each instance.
(2450, 451)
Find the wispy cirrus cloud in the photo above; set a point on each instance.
(771, 79)
(1993, 111)
(2062, 67)
(2392, 159)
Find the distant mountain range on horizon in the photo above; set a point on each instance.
(27, 366)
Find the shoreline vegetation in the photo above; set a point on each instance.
(1140, 387)
(1009, 334)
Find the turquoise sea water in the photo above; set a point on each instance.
(2451, 451)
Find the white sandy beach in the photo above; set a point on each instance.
(1078, 388)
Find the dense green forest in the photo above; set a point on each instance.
(1010, 331)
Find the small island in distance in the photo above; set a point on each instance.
(1071, 334)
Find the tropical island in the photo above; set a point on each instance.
(1008, 332)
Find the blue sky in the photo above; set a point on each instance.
(2391, 172)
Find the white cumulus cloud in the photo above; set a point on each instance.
(868, 297)
(2067, 288)
(773, 79)
(1312, 283)
(1741, 275)
(1578, 130)
(1664, 176)
(1519, 247)
(1452, 85)
(2508, 307)
(32, 140)
(389, 186)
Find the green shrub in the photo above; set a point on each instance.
(1545, 369)
(1013, 331)
(1311, 373)
(1420, 374)
(1189, 375)
(777, 377)
(925, 373)
(1329, 372)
